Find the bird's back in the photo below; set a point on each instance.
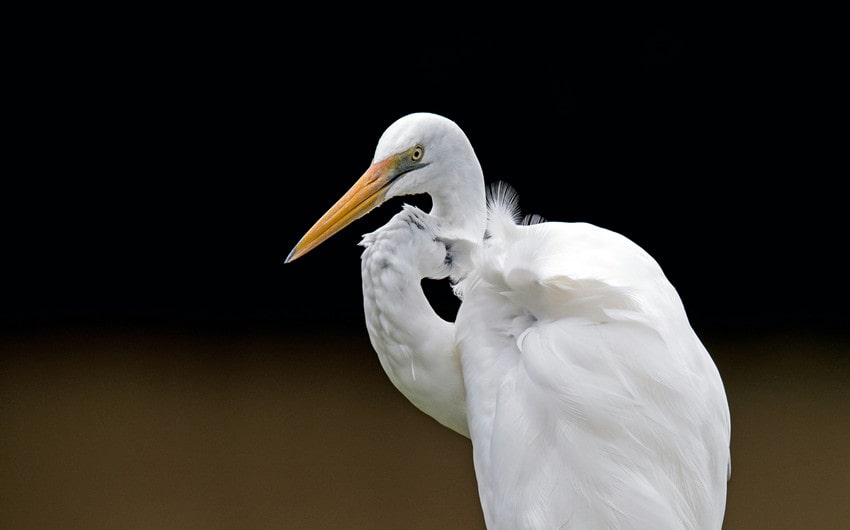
(591, 401)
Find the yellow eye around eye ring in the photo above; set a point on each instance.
(417, 153)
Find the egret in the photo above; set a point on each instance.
(571, 364)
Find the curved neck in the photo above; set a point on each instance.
(415, 346)
(460, 205)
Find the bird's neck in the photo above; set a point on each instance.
(415, 346)
(461, 205)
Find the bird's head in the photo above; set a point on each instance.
(419, 153)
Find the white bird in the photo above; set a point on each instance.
(589, 399)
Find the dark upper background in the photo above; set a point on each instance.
(166, 173)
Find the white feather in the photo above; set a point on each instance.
(586, 384)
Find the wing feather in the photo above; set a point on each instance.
(592, 403)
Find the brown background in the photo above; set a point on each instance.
(253, 428)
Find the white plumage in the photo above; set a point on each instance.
(589, 399)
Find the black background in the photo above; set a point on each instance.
(164, 173)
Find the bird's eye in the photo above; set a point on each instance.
(417, 153)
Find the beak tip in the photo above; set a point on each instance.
(366, 194)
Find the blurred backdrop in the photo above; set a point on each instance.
(160, 367)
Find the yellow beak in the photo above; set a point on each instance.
(365, 195)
